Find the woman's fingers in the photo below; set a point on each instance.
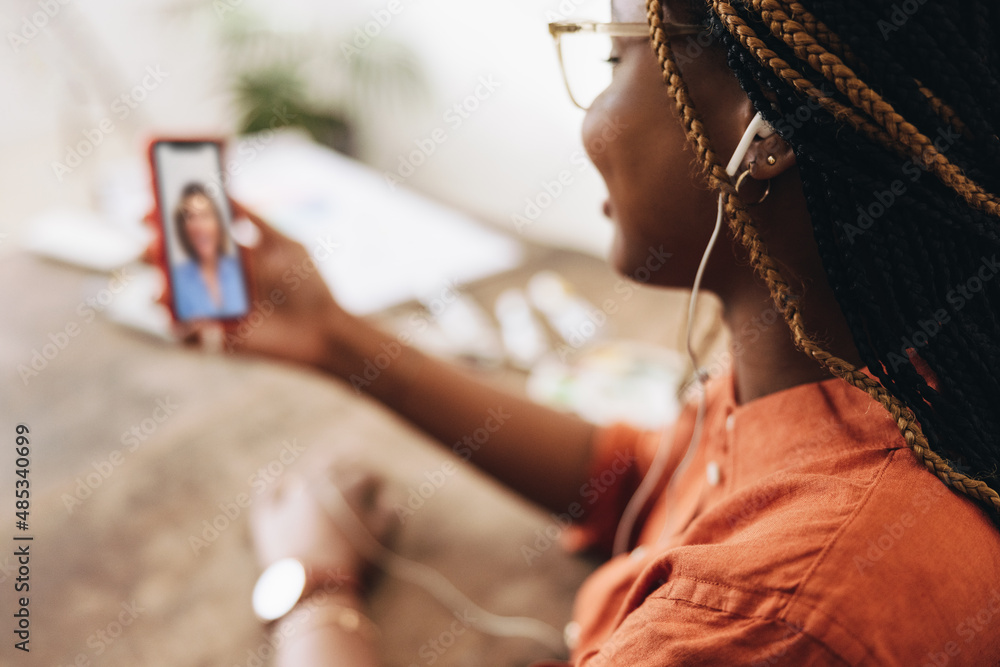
(151, 255)
(269, 236)
(153, 252)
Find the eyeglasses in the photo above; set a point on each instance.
(586, 55)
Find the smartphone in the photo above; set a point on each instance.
(206, 276)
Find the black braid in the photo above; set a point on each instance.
(913, 55)
(893, 278)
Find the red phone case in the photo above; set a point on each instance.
(157, 219)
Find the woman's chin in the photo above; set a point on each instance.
(647, 265)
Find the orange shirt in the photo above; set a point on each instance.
(804, 532)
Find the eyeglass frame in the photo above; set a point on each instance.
(559, 28)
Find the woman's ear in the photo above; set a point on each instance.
(768, 158)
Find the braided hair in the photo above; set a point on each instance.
(892, 109)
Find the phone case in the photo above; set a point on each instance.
(161, 257)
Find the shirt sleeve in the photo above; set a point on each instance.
(621, 456)
(675, 632)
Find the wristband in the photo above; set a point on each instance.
(313, 613)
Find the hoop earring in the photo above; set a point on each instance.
(739, 182)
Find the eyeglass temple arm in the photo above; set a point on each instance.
(623, 29)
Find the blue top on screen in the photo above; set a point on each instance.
(191, 297)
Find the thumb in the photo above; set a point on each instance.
(154, 249)
(269, 236)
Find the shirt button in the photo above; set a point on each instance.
(712, 473)
(730, 422)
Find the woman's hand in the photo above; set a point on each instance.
(291, 522)
(293, 315)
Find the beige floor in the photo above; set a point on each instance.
(125, 550)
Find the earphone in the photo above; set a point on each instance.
(757, 127)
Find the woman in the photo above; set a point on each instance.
(210, 283)
(839, 506)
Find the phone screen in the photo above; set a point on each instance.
(205, 270)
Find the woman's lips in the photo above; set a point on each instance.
(607, 208)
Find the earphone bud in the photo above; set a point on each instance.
(758, 128)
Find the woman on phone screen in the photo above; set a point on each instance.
(209, 284)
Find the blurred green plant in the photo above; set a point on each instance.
(260, 94)
(315, 87)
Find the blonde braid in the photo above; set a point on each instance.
(944, 112)
(744, 230)
(823, 33)
(832, 41)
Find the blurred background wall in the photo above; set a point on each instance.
(374, 77)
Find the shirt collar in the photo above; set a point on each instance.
(798, 425)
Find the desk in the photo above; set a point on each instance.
(115, 576)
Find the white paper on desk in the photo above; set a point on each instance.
(375, 246)
(81, 238)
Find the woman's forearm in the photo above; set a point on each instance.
(541, 453)
(331, 632)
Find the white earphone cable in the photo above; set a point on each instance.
(626, 526)
(432, 581)
(639, 499)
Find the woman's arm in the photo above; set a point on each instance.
(327, 633)
(539, 452)
(327, 626)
